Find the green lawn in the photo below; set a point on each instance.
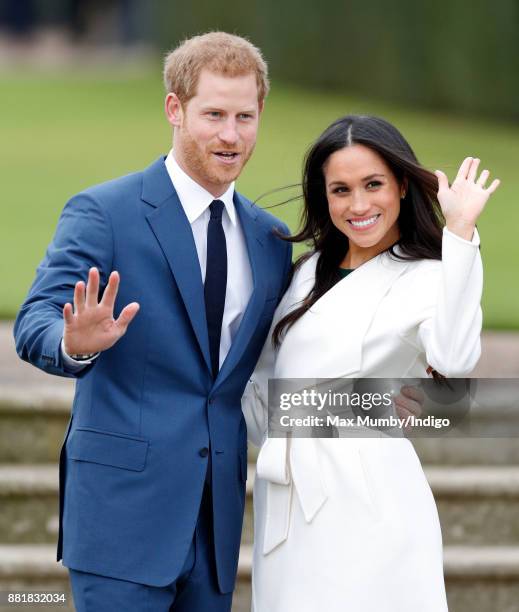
(60, 134)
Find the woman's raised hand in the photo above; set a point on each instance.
(464, 200)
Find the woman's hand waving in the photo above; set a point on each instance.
(464, 200)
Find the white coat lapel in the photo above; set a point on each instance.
(338, 321)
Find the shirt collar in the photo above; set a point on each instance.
(193, 197)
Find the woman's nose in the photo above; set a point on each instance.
(359, 203)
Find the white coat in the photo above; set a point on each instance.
(350, 524)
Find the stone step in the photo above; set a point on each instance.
(33, 568)
(33, 422)
(468, 451)
(482, 578)
(485, 579)
(477, 505)
(34, 417)
(29, 502)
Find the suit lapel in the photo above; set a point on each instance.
(254, 239)
(173, 232)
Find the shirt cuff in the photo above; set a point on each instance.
(72, 365)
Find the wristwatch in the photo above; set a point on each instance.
(86, 357)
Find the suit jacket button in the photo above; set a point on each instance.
(203, 452)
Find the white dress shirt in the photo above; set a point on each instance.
(195, 201)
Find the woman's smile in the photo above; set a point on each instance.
(362, 224)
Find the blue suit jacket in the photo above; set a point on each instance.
(131, 470)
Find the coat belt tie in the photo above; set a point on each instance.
(288, 464)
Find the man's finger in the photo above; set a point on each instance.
(92, 289)
(402, 412)
(68, 315)
(110, 292)
(79, 297)
(405, 403)
(413, 392)
(126, 316)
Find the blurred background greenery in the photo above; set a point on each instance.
(90, 108)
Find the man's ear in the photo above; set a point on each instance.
(174, 110)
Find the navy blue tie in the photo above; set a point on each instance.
(215, 282)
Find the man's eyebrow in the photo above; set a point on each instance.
(248, 111)
(214, 108)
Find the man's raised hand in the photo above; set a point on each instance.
(90, 326)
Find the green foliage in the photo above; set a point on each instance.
(61, 134)
(447, 54)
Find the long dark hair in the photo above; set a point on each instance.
(420, 221)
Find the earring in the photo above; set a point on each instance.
(403, 196)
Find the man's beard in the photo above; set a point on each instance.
(200, 161)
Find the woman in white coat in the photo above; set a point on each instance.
(349, 523)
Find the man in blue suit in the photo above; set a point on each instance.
(154, 463)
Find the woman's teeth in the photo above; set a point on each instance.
(365, 222)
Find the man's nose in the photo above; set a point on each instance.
(229, 133)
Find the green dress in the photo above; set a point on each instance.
(343, 272)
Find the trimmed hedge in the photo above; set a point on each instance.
(448, 54)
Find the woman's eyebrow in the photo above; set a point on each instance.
(367, 178)
(336, 183)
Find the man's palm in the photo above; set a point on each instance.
(90, 326)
